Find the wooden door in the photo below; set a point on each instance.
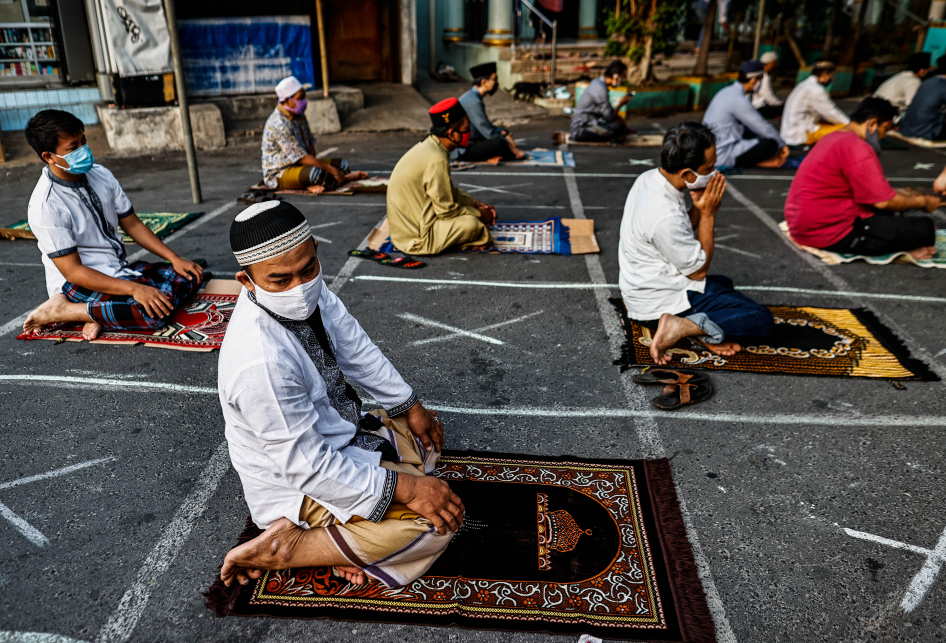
(358, 36)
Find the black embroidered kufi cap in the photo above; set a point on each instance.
(266, 230)
(483, 71)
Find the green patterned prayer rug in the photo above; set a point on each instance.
(162, 224)
(827, 342)
(561, 545)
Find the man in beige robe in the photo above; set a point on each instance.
(426, 213)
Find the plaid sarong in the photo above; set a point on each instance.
(116, 312)
(299, 177)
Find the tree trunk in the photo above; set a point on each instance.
(702, 61)
(829, 34)
(850, 54)
(789, 27)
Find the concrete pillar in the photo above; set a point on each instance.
(500, 23)
(587, 20)
(408, 41)
(454, 22)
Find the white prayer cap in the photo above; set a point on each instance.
(768, 57)
(288, 87)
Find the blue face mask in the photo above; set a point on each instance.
(80, 160)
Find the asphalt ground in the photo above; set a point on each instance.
(772, 471)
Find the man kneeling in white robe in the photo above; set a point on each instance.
(329, 485)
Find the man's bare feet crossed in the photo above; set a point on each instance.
(671, 329)
(59, 309)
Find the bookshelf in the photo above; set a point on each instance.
(28, 52)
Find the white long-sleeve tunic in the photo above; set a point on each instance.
(286, 440)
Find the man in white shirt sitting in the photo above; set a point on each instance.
(764, 99)
(901, 88)
(664, 266)
(809, 113)
(330, 486)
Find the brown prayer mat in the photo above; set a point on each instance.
(562, 545)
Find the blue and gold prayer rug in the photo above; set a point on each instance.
(561, 545)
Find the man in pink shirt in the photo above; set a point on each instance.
(840, 200)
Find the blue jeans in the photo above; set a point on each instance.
(723, 312)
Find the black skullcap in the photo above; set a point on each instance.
(266, 230)
(482, 71)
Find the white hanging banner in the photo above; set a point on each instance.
(136, 34)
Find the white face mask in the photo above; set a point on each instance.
(702, 180)
(296, 303)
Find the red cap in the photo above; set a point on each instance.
(446, 113)
(443, 105)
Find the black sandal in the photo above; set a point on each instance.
(408, 263)
(680, 394)
(370, 254)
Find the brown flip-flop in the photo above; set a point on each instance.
(656, 375)
(683, 393)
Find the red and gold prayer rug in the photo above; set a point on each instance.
(199, 326)
(825, 342)
(560, 545)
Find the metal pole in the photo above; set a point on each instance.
(702, 61)
(554, 52)
(322, 54)
(181, 89)
(758, 30)
(432, 36)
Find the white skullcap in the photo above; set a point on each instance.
(768, 57)
(287, 88)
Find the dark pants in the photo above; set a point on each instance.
(478, 151)
(117, 312)
(771, 111)
(883, 234)
(734, 313)
(612, 132)
(765, 149)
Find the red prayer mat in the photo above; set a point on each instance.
(199, 326)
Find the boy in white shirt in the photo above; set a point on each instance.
(75, 211)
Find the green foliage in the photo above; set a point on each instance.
(631, 29)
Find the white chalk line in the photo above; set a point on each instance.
(35, 637)
(122, 622)
(97, 382)
(11, 263)
(55, 473)
(417, 319)
(444, 338)
(790, 419)
(325, 152)
(350, 265)
(836, 280)
(647, 426)
(920, 584)
(324, 225)
(190, 227)
(630, 175)
(30, 532)
(551, 285)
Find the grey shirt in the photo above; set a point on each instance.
(482, 128)
(594, 107)
(729, 115)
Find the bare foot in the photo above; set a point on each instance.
(355, 176)
(939, 185)
(521, 155)
(496, 160)
(51, 311)
(352, 574)
(316, 189)
(273, 549)
(773, 163)
(91, 330)
(726, 349)
(670, 330)
(920, 253)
